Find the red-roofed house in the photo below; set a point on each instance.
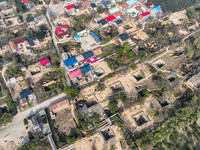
(25, 1)
(21, 43)
(59, 105)
(64, 27)
(139, 17)
(138, 8)
(140, 0)
(118, 13)
(110, 18)
(85, 3)
(13, 47)
(69, 7)
(62, 36)
(44, 61)
(145, 14)
(149, 5)
(75, 73)
(124, 6)
(58, 30)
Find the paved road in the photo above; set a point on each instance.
(57, 49)
(14, 130)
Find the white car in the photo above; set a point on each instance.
(84, 42)
(21, 138)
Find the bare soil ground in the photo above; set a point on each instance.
(141, 35)
(173, 63)
(64, 121)
(17, 88)
(127, 115)
(96, 141)
(102, 64)
(67, 21)
(177, 16)
(127, 80)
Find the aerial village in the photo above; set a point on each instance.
(93, 75)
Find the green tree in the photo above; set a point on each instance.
(94, 118)
(78, 130)
(127, 46)
(11, 105)
(5, 118)
(71, 91)
(100, 9)
(108, 38)
(43, 27)
(112, 106)
(190, 54)
(122, 96)
(194, 98)
(133, 66)
(141, 54)
(140, 100)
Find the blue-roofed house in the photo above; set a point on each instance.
(25, 93)
(154, 11)
(33, 41)
(130, 2)
(119, 23)
(85, 69)
(96, 38)
(106, 4)
(113, 10)
(30, 21)
(157, 8)
(71, 63)
(26, 96)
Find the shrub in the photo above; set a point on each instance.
(100, 87)
(122, 96)
(25, 121)
(133, 66)
(44, 120)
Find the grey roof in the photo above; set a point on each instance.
(3, 3)
(124, 36)
(119, 22)
(40, 18)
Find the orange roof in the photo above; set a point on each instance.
(140, 17)
(124, 5)
(138, 8)
(106, 13)
(12, 45)
(119, 13)
(85, 2)
(58, 104)
(82, 8)
(97, 51)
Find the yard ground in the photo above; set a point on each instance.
(177, 16)
(102, 64)
(87, 42)
(36, 77)
(17, 88)
(127, 80)
(64, 121)
(141, 35)
(96, 141)
(66, 20)
(127, 115)
(173, 62)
